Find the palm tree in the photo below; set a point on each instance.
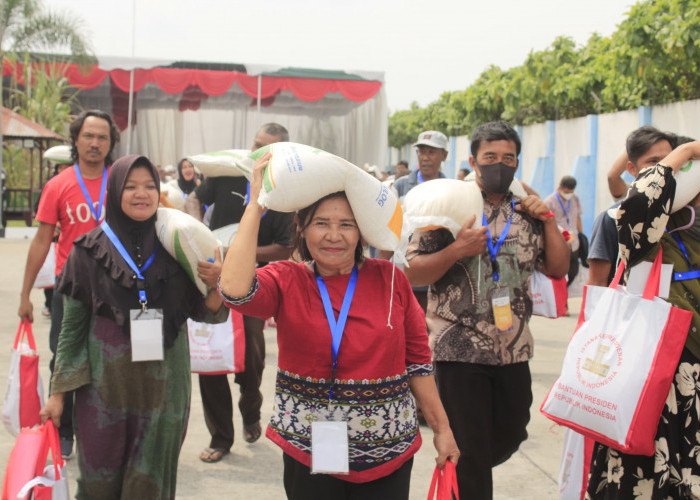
(25, 25)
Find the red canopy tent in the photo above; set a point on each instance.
(185, 86)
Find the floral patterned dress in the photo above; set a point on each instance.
(674, 469)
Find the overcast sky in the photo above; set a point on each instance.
(423, 47)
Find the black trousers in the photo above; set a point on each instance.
(65, 431)
(216, 392)
(488, 408)
(300, 484)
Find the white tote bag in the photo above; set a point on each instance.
(217, 348)
(46, 277)
(575, 466)
(619, 366)
(548, 295)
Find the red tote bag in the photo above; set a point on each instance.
(444, 483)
(25, 394)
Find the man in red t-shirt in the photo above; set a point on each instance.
(93, 136)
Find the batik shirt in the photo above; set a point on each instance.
(459, 316)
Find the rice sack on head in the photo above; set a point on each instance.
(442, 203)
(687, 185)
(227, 163)
(299, 175)
(187, 240)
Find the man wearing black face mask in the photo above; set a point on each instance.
(479, 306)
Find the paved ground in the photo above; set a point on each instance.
(255, 471)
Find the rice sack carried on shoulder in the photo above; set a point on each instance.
(442, 203)
(187, 240)
(299, 175)
(687, 185)
(171, 196)
(227, 163)
(447, 203)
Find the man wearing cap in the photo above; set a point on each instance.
(479, 307)
(431, 150)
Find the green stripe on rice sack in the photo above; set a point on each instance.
(181, 256)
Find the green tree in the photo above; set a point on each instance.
(652, 58)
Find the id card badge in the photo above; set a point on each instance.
(502, 314)
(329, 445)
(146, 335)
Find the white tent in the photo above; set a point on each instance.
(184, 108)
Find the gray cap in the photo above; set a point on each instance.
(432, 138)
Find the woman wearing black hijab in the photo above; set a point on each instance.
(186, 176)
(130, 416)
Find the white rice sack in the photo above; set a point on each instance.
(228, 163)
(515, 186)
(187, 240)
(171, 196)
(226, 234)
(687, 185)
(448, 203)
(299, 175)
(59, 154)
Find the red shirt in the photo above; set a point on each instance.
(374, 361)
(63, 202)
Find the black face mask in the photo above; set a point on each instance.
(497, 177)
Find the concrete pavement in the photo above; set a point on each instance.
(255, 471)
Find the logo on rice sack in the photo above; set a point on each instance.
(298, 175)
(599, 360)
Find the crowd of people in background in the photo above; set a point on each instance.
(455, 355)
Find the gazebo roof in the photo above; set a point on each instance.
(15, 126)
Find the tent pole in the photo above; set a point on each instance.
(131, 111)
(131, 78)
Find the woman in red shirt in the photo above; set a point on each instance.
(344, 398)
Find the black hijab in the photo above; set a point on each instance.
(185, 186)
(97, 275)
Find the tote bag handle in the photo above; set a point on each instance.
(651, 289)
(25, 330)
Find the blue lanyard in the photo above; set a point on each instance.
(566, 210)
(688, 275)
(103, 190)
(140, 284)
(336, 327)
(247, 198)
(494, 250)
(420, 178)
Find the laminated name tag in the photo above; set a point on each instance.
(502, 315)
(329, 447)
(146, 335)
